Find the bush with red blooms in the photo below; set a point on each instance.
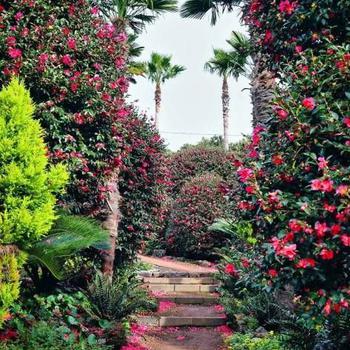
(194, 161)
(299, 202)
(282, 29)
(143, 183)
(200, 201)
(73, 62)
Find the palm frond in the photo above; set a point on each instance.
(69, 235)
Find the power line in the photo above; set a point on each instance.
(194, 133)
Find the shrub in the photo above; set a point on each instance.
(143, 184)
(73, 63)
(248, 342)
(198, 204)
(194, 161)
(27, 186)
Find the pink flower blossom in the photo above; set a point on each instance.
(309, 103)
(322, 163)
(321, 229)
(19, 16)
(71, 43)
(15, 53)
(66, 60)
(245, 174)
(342, 190)
(305, 263)
(325, 185)
(287, 7)
(346, 121)
(345, 239)
(327, 254)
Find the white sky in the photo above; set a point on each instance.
(191, 102)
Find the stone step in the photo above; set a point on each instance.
(185, 315)
(193, 288)
(189, 298)
(179, 280)
(175, 274)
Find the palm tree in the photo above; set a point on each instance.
(229, 64)
(262, 79)
(135, 14)
(158, 70)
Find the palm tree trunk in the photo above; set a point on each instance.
(158, 100)
(262, 84)
(225, 111)
(111, 224)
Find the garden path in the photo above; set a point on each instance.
(188, 317)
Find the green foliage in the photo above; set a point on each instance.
(69, 235)
(199, 203)
(248, 342)
(44, 336)
(160, 69)
(27, 186)
(117, 299)
(9, 280)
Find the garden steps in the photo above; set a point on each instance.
(189, 298)
(180, 315)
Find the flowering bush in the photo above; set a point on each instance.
(144, 182)
(72, 61)
(300, 183)
(198, 204)
(198, 160)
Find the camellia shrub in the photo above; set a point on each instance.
(300, 189)
(73, 63)
(200, 201)
(197, 160)
(143, 184)
(27, 186)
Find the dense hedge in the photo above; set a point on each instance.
(73, 63)
(200, 201)
(194, 161)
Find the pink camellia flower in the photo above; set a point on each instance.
(325, 185)
(268, 37)
(66, 60)
(321, 229)
(305, 263)
(342, 190)
(42, 59)
(335, 229)
(11, 41)
(345, 239)
(71, 43)
(272, 273)
(119, 62)
(245, 174)
(309, 103)
(287, 7)
(298, 49)
(288, 251)
(282, 114)
(122, 37)
(322, 163)
(327, 254)
(15, 53)
(230, 269)
(346, 121)
(19, 16)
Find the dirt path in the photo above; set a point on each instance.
(176, 265)
(184, 339)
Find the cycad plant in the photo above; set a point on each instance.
(135, 14)
(228, 64)
(158, 70)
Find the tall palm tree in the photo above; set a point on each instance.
(227, 64)
(135, 14)
(158, 70)
(262, 79)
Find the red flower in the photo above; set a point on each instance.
(288, 251)
(66, 60)
(321, 229)
(305, 263)
(298, 49)
(327, 254)
(230, 269)
(328, 307)
(268, 37)
(277, 159)
(335, 229)
(287, 7)
(322, 163)
(345, 239)
(250, 189)
(272, 273)
(19, 16)
(309, 103)
(245, 174)
(71, 43)
(282, 113)
(15, 53)
(346, 121)
(322, 185)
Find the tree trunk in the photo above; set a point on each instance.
(262, 84)
(225, 111)
(111, 225)
(158, 100)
